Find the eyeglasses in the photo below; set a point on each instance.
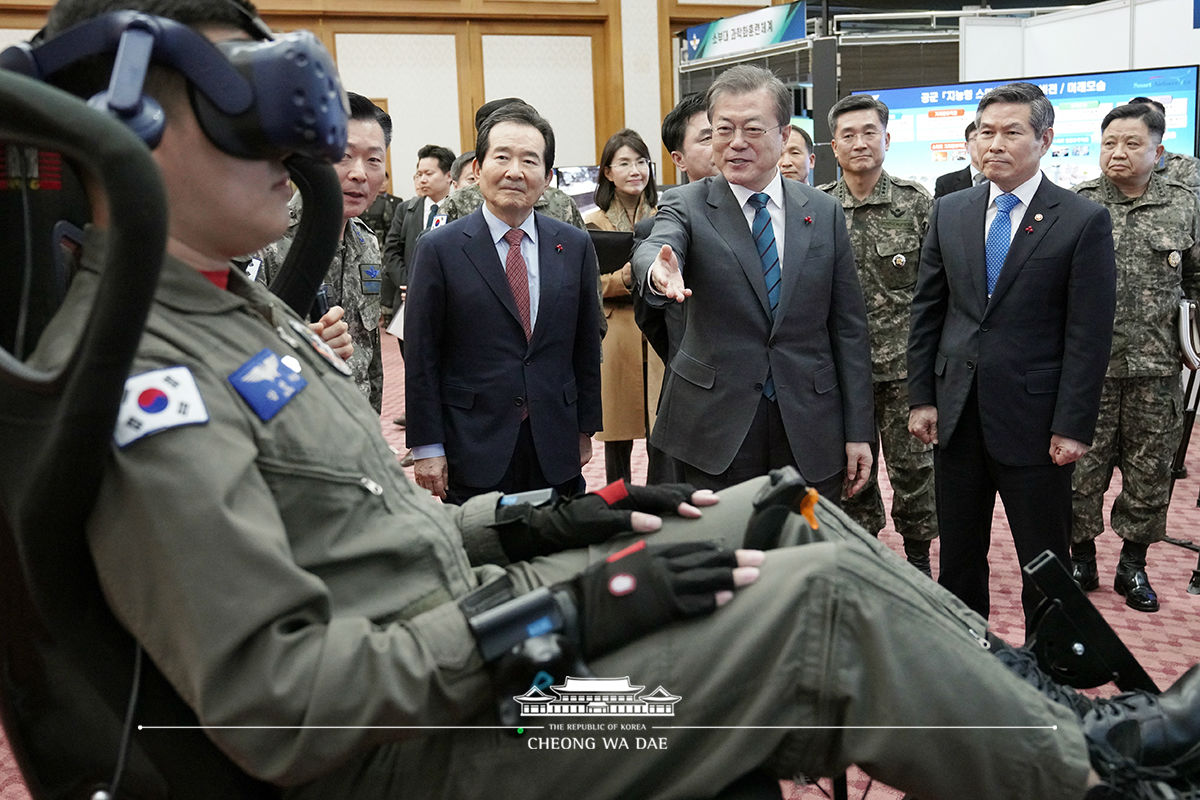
(641, 163)
(868, 137)
(725, 133)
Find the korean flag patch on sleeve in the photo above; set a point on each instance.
(156, 401)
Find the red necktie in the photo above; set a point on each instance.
(518, 277)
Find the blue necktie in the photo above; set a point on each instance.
(433, 209)
(999, 238)
(764, 240)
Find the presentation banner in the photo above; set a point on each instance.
(747, 32)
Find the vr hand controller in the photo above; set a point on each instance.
(785, 493)
(538, 639)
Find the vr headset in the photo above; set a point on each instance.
(254, 99)
(264, 98)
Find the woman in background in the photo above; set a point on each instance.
(625, 194)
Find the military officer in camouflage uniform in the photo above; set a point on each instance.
(887, 219)
(1175, 167)
(1156, 229)
(355, 276)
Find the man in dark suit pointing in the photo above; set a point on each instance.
(1011, 327)
(774, 367)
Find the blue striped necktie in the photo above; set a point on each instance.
(764, 240)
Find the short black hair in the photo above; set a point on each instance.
(460, 164)
(674, 127)
(971, 126)
(1146, 112)
(362, 109)
(444, 156)
(491, 107)
(521, 113)
(808, 142)
(858, 102)
(606, 190)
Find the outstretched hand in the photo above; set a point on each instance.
(666, 277)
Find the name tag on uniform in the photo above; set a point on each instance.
(157, 401)
(266, 383)
(371, 278)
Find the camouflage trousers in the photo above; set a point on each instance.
(909, 468)
(1138, 430)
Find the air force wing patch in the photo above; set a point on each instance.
(156, 401)
(266, 383)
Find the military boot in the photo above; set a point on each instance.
(917, 553)
(1131, 580)
(1140, 731)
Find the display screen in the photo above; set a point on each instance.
(926, 123)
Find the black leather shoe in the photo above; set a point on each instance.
(1133, 584)
(1146, 730)
(1084, 573)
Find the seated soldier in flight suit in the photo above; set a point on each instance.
(331, 624)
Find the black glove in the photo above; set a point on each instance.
(526, 531)
(643, 588)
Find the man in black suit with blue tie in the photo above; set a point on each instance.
(1011, 327)
(502, 378)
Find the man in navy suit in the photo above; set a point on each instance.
(1011, 327)
(502, 373)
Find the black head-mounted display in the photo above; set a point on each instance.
(253, 99)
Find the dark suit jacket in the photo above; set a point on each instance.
(952, 182)
(1038, 350)
(400, 246)
(469, 372)
(817, 348)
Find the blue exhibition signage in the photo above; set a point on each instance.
(746, 32)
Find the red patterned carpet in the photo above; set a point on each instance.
(1166, 643)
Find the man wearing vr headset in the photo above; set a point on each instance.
(341, 634)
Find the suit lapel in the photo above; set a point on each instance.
(796, 236)
(1029, 234)
(974, 219)
(729, 221)
(550, 279)
(480, 250)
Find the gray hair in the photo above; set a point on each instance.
(1041, 113)
(744, 79)
(857, 102)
